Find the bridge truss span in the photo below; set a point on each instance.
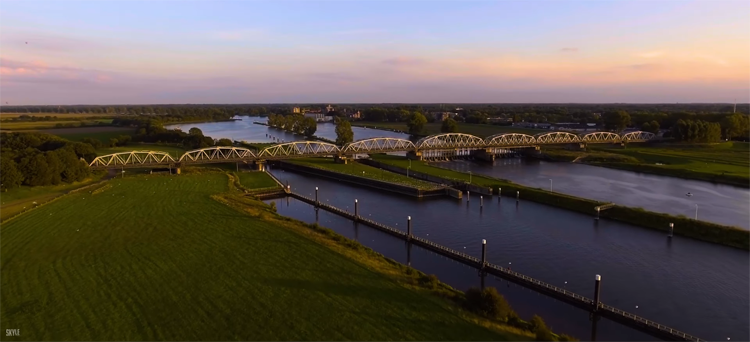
(601, 137)
(510, 139)
(557, 138)
(217, 154)
(450, 141)
(376, 145)
(299, 149)
(638, 136)
(132, 159)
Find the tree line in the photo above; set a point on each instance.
(294, 123)
(36, 159)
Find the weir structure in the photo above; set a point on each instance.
(442, 145)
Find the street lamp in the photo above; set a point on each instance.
(407, 171)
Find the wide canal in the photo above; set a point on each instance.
(696, 287)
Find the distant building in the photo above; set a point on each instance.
(316, 116)
(329, 109)
(356, 115)
(296, 110)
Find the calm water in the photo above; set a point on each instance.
(716, 203)
(246, 130)
(696, 287)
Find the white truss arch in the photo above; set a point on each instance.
(299, 149)
(132, 158)
(218, 154)
(509, 139)
(450, 141)
(602, 137)
(556, 138)
(638, 136)
(375, 145)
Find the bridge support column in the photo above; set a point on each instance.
(597, 292)
(414, 155)
(177, 170)
(260, 165)
(341, 159)
(485, 155)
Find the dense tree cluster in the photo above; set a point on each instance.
(736, 126)
(294, 123)
(36, 159)
(449, 126)
(697, 131)
(416, 123)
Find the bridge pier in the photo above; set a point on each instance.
(176, 170)
(260, 165)
(484, 154)
(414, 155)
(341, 159)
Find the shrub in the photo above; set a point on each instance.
(273, 206)
(429, 281)
(488, 303)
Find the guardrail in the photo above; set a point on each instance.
(546, 288)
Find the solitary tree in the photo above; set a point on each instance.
(449, 126)
(617, 121)
(416, 123)
(310, 126)
(344, 133)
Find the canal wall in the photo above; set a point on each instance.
(653, 328)
(372, 183)
(683, 226)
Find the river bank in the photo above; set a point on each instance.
(701, 230)
(722, 163)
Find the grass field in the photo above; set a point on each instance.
(156, 258)
(19, 199)
(361, 170)
(103, 133)
(256, 180)
(420, 166)
(30, 125)
(59, 115)
(479, 130)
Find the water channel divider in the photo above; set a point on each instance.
(617, 315)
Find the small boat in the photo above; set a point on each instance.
(688, 194)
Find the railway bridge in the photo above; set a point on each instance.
(434, 146)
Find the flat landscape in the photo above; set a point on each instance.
(102, 133)
(361, 170)
(156, 258)
(480, 130)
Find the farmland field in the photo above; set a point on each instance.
(21, 198)
(102, 133)
(156, 258)
(31, 125)
(480, 130)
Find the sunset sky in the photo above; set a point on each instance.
(139, 52)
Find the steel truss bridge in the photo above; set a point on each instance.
(455, 142)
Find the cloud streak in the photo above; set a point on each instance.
(404, 61)
(569, 49)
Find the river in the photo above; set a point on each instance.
(716, 203)
(699, 288)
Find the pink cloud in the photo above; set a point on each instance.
(404, 61)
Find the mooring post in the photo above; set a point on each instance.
(481, 202)
(671, 229)
(490, 191)
(484, 256)
(317, 203)
(408, 228)
(597, 292)
(518, 196)
(468, 195)
(597, 213)
(499, 193)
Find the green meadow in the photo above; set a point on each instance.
(356, 169)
